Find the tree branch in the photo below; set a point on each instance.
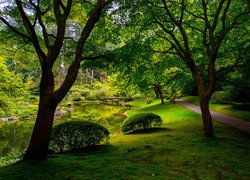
(74, 67)
(31, 31)
(12, 28)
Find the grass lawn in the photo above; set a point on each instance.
(176, 151)
(231, 109)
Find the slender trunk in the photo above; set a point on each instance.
(204, 98)
(156, 92)
(161, 97)
(173, 96)
(206, 116)
(160, 93)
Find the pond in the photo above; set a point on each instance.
(15, 136)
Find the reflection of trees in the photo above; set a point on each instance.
(99, 113)
(14, 137)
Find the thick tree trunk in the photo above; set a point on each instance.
(38, 147)
(39, 142)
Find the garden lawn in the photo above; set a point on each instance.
(232, 109)
(176, 151)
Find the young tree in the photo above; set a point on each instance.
(38, 18)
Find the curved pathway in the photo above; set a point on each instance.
(232, 121)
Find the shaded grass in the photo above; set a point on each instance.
(231, 109)
(176, 151)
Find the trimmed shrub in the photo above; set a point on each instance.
(75, 135)
(141, 121)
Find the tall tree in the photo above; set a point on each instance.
(196, 31)
(45, 25)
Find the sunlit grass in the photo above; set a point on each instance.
(176, 151)
(231, 109)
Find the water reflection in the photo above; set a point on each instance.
(15, 136)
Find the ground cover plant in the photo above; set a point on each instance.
(140, 122)
(232, 109)
(175, 151)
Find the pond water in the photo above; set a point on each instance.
(15, 136)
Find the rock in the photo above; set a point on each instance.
(13, 118)
(70, 109)
(26, 104)
(9, 119)
(4, 119)
(58, 112)
(69, 105)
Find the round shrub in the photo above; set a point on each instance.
(141, 121)
(75, 135)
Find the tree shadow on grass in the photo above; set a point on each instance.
(98, 149)
(149, 131)
(60, 165)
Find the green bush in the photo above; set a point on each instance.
(141, 121)
(91, 96)
(75, 135)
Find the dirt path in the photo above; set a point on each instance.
(232, 121)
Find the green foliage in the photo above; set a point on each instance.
(75, 135)
(219, 96)
(11, 87)
(76, 96)
(141, 121)
(102, 90)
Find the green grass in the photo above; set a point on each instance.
(176, 151)
(231, 109)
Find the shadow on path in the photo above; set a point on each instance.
(232, 121)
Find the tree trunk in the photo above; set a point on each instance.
(173, 96)
(161, 97)
(38, 147)
(160, 93)
(205, 93)
(156, 92)
(39, 142)
(206, 116)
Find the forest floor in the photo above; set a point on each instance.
(232, 121)
(177, 150)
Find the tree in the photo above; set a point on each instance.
(195, 31)
(45, 25)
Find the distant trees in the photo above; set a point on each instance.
(11, 86)
(46, 25)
